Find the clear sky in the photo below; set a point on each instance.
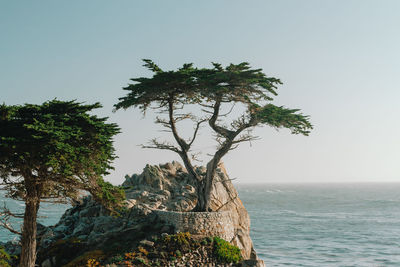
(339, 62)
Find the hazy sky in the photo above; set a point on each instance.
(339, 62)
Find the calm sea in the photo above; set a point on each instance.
(313, 224)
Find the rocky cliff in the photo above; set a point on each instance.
(88, 227)
(168, 187)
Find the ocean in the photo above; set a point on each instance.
(311, 224)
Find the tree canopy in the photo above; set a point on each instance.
(211, 89)
(52, 152)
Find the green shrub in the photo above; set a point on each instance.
(226, 252)
(179, 238)
(116, 258)
(83, 259)
(111, 197)
(141, 260)
(4, 258)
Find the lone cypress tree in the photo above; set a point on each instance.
(52, 152)
(211, 89)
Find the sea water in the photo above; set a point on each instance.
(310, 224)
(325, 224)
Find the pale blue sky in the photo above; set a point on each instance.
(339, 61)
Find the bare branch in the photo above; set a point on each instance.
(163, 122)
(196, 131)
(229, 112)
(245, 138)
(181, 117)
(233, 147)
(206, 106)
(5, 215)
(207, 111)
(195, 157)
(161, 145)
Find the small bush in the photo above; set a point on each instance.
(130, 255)
(111, 197)
(116, 258)
(178, 239)
(141, 260)
(92, 263)
(84, 259)
(143, 251)
(226, 252)
(4, 258)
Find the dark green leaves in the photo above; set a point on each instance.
(189, 85)
(281, 117)
(57, 144)
(236, 83)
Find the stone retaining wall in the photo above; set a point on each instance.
(200, 223)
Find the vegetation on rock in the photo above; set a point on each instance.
(89, 259)
(165, 250)
(225, 251)
(213, 91)
(5, 258)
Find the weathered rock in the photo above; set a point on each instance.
(252, 263)
(163, 187)
(226, 198)
(147, 243)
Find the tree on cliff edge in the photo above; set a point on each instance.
(212, 90)
(51, 152)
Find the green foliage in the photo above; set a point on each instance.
(82, 260)
(4, 258)
(279, 117)
(178, 239)
(226, 252)
(116, 258)
(141, 260)
(58, 145)
(236, 83)
(53, 151)
(110, 195)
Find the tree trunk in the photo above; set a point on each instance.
(208, 180)
(208, 183)
(201, 200)
(28, 242)
(205, 187)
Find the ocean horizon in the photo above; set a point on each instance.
(307, 224)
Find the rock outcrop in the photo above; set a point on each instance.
(165, 187)
(168, 187)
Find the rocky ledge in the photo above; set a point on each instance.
(159, 202)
